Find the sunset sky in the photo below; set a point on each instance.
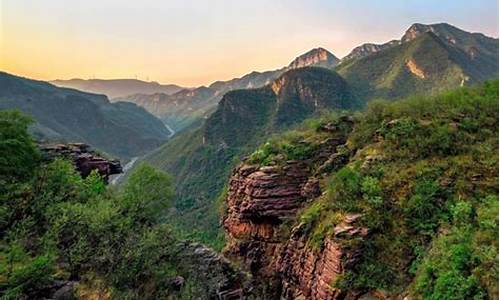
(191, 43)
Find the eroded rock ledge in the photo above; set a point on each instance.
(263, 202)
(84, 159)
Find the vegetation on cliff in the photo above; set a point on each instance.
(202, 158)
(423, 175)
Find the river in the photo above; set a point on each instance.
(131, 163)
(127, 167)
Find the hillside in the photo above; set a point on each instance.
(186, 107)
(398, 202)
(121, 129)
(201, 158)
(114, 88)
(180, 109)
(65, 235)
(428, 59)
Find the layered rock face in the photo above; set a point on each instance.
(308, 273)
(259, 200)
(84, 159)
(262, 205)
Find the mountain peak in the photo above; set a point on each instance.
(369, 48)
(319, 57)
(443, 30)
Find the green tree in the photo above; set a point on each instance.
(147, 194)
(18, 153)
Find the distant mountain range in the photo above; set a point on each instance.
(179, 110)
(61, 114)
(114, 88)
(188, 106)
(427, 60)
(393, 69)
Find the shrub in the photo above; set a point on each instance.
(25, 275)
(344, 190)
(423, 210)
(147, 194)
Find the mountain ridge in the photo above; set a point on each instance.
(114, 88)
(425, 65)
(64, 114)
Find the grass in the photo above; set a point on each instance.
(428, 199)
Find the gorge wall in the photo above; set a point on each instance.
(271, 243)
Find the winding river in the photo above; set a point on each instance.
(131, 163)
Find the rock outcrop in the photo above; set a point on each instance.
(259, 201)
(263, 202)
(216, 277)
(84, 159)
(308, 273)
(318, 57)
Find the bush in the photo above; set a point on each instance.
(19, 155)
(423, 210)
(24, 275)
(344, 190)
(147, 194)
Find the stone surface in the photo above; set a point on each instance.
(215, 275)
(84, 159)
(260, 201)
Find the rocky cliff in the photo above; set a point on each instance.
(380, 206)
(265, 236)
(84, 159)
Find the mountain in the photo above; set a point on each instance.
(178, 110)
(369, 48)
(466, 41)
(201, 158)
(62, 114)
(114, 88)
(429, 59)
(251, 80)
(398, 202)
(318, 57)
(184, 108)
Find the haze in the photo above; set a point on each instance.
(194, 43)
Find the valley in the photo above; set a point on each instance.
(372, 176)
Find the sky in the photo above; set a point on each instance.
(196, 42)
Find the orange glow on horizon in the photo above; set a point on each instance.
(193, 43)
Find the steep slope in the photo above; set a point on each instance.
(178, 110)
(121, 129)
(426, 64)
(201, 158)
(114, 88)
(400, 202)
